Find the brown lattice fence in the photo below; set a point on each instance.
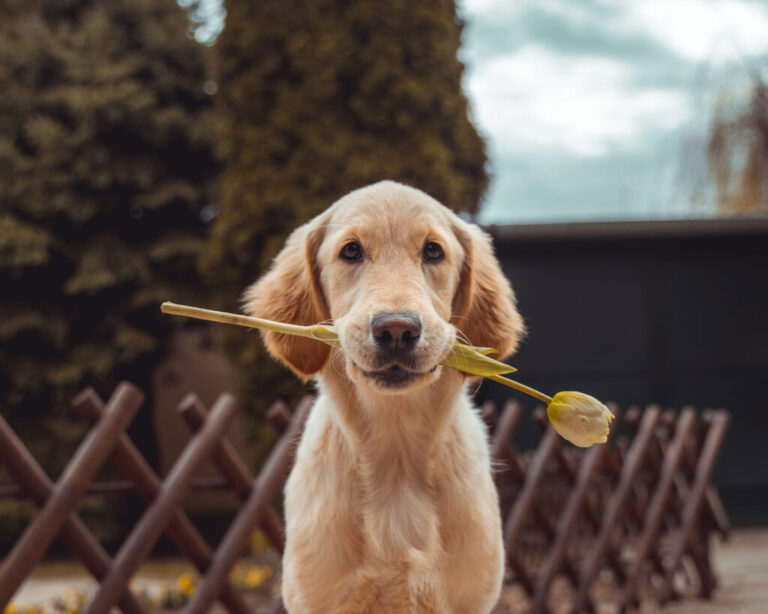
(638, 511)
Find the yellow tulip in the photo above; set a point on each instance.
(580, 418)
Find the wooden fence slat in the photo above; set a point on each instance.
(147, 484)
(524, 502)
(658, 503)
(268, 482)
(716, 510)
(279, 416)
(157, 516)
(589, 465)
(591, 512)
(713, 505)
(507, 423)
(503, 453)
(695, 500)
(90, 455)
(232, 467)
(544, 523)
(276, 607)
(75, 535)
(612, 516)
(658, 447)
(678, 495)
(498, 443)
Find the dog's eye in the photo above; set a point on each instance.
(351, 252)
(433, 252)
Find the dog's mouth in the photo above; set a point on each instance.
(394, 376)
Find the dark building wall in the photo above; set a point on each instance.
(672, 313)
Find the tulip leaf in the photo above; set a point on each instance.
(474, 361)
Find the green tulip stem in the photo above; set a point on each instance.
(521, 387)
(233, 318)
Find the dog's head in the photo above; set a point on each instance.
(401, 277)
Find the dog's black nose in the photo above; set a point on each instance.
(396, 330)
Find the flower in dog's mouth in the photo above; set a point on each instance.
(578, 417)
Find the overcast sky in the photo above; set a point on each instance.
(599, 109)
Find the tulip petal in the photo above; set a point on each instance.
(580, 418)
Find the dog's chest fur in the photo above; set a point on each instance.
(392, 508)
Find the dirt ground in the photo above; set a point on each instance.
(741, 564)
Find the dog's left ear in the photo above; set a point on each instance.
(484, 303)
(290, 292)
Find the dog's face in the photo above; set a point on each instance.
(398, 274)
(389, 270)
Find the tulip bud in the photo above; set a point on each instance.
(580, 418)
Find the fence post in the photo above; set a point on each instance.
(695, 499)
(159, 513)
(269, 481)
(632, 465)
(589, 465)
(525, 502)
(506, 425)
(232, 468)
(75, 535)
(180, 529)
(90, 455)
(658, 501)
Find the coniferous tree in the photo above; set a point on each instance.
(105, 176)
(319, 98)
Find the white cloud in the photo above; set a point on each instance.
(714, 31)
(504, 9)
(483, 8)
(548, 112)
(539, 99)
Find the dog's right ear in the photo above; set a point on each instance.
(290, 292)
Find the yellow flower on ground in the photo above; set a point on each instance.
(186, 584)
(259, 542)
(580, 418)
(247, 576)
(254, 577)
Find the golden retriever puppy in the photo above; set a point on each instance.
(391, 506)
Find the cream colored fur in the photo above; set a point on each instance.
(390, 506)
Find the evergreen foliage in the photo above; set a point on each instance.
(316, 99)
(105, 167)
